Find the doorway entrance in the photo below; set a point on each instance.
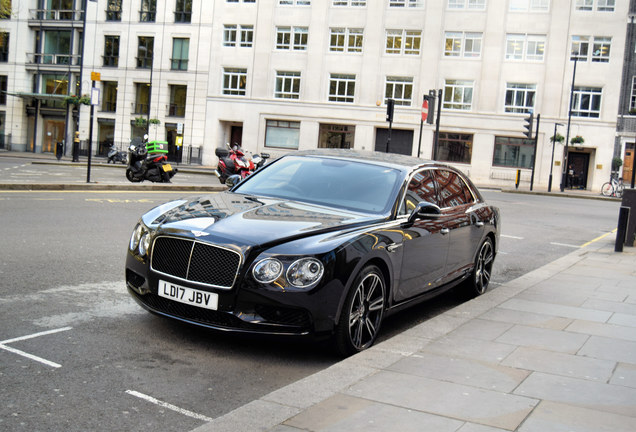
(53, 133)
(236, 135)
(628, 162)
(577, 174)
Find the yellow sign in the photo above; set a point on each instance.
(96, 76)
(179, 141)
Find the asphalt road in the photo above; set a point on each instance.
(109, 365)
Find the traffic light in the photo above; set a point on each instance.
(390, 106)
(528, 126)
(430, 117)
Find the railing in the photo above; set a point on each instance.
(139, 108)
(182, 17)
(56, 14)
(176, 110)
(54, 59)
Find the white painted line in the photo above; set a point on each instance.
(30, 356)
(169, 406)
(31, 336)
(512, 237)
(565, 244)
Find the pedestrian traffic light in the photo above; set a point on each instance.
(528, 126)
(390, 104)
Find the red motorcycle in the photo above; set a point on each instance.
(233, 161)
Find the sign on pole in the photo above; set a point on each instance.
(424, 110)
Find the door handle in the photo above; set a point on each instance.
(444, 231)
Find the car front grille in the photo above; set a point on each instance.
(194, 261)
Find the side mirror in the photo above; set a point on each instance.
(233, 180)
(425, 210)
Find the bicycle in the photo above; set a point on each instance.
(614, 187)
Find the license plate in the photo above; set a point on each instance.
(167, 167)
(189, 296)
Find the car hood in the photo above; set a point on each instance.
(249, 221)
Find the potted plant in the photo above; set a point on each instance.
(77, 100)
(616, 163)
(577, 140)
(557, 138)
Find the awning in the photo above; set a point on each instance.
(40, 96)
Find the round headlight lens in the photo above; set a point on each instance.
(305, 272)
(267, 270)
(144, 244)
(136, 236)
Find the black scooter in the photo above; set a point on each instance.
(148, 161)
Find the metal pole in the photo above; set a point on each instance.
(567, 134)
(534, 153)
(552, 158)
(90, 137)
(152, 58)
(439, 113)
(419, 144)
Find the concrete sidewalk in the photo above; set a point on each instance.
(554, 350)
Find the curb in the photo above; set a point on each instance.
(109, 187)
(562, 194)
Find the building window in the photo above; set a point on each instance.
(342, 88)
(4, 47)
(144, 52)
(113, 10)
(529, 5)
(406, 3)
(178, 94)
(520, 98)
(56, 47)
(183, 11)
(632, 103)
(460, 44)
(231, 33)
(513, 152)
(244, 1)
(292, 38)
(345, 39)
(586, 102)
(234, 81)
(142, 98)
(287, 85)
(400, 89)
(3, 89)
(467, 4)
(601, 5)
(525, 47)
(109, 96)
(111, 51)
(282, 134)
(349, 2)
(247, 35)
(455, 147)
(336, 136)
(600, 51)
(180, 51)
(458, 95)
(148, 11)
(403, 42)
(294, 2)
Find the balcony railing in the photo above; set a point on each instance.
(176, 110)
(139, 108)
(54, 59)
(56, 14)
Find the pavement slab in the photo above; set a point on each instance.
(556, 417)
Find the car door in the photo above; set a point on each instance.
(425, 242)
(463, 220)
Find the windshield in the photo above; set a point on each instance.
(358, 186)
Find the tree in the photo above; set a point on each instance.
(5, 9)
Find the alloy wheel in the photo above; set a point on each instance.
(365, 313)
(483, 267)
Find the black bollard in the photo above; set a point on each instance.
(623, 217)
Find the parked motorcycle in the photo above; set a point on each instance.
(233, 161)
(148, 161)
(115, 156)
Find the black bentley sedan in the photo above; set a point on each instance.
(319, 243)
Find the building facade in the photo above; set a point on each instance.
(283, 75)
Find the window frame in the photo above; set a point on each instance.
(180, 63)
(231, 76)
(520, 160)
(447, 140)
(520, 89)
(290, 80)
(401, 85)
(397, 42)
(272, 124)
(584, 99)
(342, 88)
(466, 87)
(113, 10)
(183, 11)
(111, 56)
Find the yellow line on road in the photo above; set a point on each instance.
(141, 191)
(600, 237)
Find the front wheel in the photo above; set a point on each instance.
(362, 313)
(480, 278)
(607, 189)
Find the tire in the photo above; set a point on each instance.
(131, 177)
(480, 278)
(362, 313)
(619, 190)
(607, 189)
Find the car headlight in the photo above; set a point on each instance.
(140, 240)
(267, 270)
(144, 244)
(304, 272)
(136, 236)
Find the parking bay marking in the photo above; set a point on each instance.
(169, 406)
(3, 345)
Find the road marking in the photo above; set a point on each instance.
(564, 244)
(169, 406)
(512, 237)
(31, 336)
(599, 237)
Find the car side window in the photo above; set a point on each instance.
(452, 189)
(420, 188)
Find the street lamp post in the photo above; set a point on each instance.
(552, 158)
(567, 133)
(144, 49)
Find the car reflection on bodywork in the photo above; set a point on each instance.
(317, 243)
